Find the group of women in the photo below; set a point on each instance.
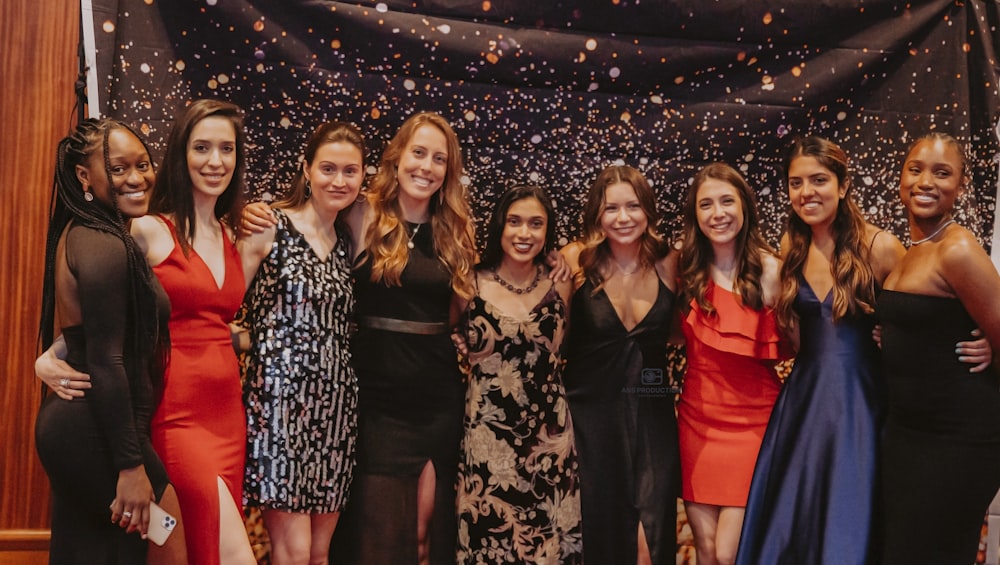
(555, 438)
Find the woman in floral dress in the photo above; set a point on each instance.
(518, 493)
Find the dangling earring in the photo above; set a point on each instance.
(441, 196)
(309, 190)
(87, 194)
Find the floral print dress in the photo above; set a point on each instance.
(518, 491)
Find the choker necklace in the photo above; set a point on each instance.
(931, 236)
(412, 235)
(514, 289)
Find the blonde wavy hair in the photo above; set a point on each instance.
(386, 238)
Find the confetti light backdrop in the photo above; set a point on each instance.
(550, 92)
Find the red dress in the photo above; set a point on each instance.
(199, 428)
(729, 390)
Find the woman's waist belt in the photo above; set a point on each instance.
(403, 326)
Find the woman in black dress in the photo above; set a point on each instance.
(112, 315)
(616, 380)
(941, 450)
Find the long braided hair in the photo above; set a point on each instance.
(148, 340)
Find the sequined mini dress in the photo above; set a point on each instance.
(300, 390)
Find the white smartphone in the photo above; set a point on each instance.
(161, 524)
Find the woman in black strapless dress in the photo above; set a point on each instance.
(941, 450)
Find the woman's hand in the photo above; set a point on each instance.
(877, 335)
(977, 353)
(256, 217)
(560, 270)
(65, 381)
(130, 508)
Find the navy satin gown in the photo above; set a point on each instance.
(813, 495)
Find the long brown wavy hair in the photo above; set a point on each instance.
(451, 221)
(696, 250)
(853, 277)
(596, 253)
(174, 188)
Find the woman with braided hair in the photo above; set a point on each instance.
(112, 314)
(199, 426)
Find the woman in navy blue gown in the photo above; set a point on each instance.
(813, 497)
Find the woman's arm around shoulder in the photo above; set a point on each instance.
(666, 269)
(571, 252)
(770, 279)
(253, 247)
(886, 251)
(357, 218)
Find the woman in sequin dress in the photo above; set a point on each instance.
(518, 490)
(299, 386)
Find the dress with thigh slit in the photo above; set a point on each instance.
(199, 429)
(410, 408)
(622, 405)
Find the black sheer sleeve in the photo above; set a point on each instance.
(99, 262)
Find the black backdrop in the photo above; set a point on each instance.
(551, 91)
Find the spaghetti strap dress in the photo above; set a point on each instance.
(518, 490)
(410, 408)
(814, 493)
(941, 449)
(622, 405)
(83, 443)
(729, 389)
(199, 428)
(300, 391)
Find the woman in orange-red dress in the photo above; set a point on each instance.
(730, 281)
(199, 429)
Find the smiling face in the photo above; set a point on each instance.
(623, 220)
(524, 231)
(719, 211)
(422, 167)
(335, 174)
(132, 175)
(814, 191)
(932, 179)
(211, 156)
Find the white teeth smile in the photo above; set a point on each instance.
(523, 247)
(924, 198)
(423, 183)
(140, 195)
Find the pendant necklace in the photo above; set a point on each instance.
(413, 234)
(931, 236)
(516, 290)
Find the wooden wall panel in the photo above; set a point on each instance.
(38, 67)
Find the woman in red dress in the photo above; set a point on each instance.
(199, 428)
(730, 280)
